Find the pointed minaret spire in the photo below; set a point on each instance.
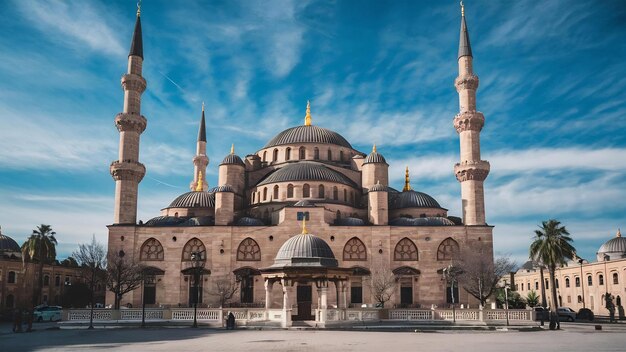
(202, 130)
(619, 233)
(232, 148)
(307, 117)
(407, 181)
(201, 160)
(374, 148)
(136, 46)
(465, 49)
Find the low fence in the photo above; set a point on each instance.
(460, 314)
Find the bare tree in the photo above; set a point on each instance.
(225, 288)
(92, 258)
(123, 275)
(481, 273)
(382, 284)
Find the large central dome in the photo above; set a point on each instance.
(308, 134)
(306, 171)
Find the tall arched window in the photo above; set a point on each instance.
(320, 191)
(264, 193)
(577, 281)
(335, 193)
(151, 250)
(11, 277)
(275, 192)
(248, 250)
(253, 197)
(287, 153)
(275, 156)
(405, 250)
(341, 155)
(306, 191)
(194, 245)
(290, 191)
(302, 153)
(329, 155)
(345, 195)
(265, 156)
(316, 153)
(601, 280)
(615, 279)
(354, 250)
(567, 282)
(589, 281)
(46, 280)
(448, 249)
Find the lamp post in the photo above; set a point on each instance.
(118, 296)
(606, 277)
(197, 263)
(582, 283)
(148, 279)
(506, 301)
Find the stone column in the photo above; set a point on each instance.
(268, 298)
(324, 302)
(286, 319)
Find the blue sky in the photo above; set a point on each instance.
(553, 91)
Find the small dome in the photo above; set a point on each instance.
(304, 203)
(375, 157)
(349, 222)
(615, 248)
(248, 221)
(306, 171)
(413, 199)
(198, 221)
(378, 188)
(232, 159)
(429, 221)
(7, 244)
(224, 188)
(308, 134)
(164, 221)
(305, 250)
(194, 199)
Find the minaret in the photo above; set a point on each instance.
(471, 172)
(201, 160)
(127, 171)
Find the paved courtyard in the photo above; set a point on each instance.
(573, 337)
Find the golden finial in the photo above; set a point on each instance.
(138, 8)
(202, 106)
(462, 9)
(307, 117)
(407, 181)
(374, 148)
(232, 148)
(619, 233)
(304, 230)
(200, 184)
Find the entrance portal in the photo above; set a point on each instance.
(305, 300)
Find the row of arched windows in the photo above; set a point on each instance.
(307, 192)
(301, 154)
(615, 277)
(152, 249)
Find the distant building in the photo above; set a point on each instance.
(582, 283)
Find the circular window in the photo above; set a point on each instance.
(271, 238)
(122, 238)
(332, 238)
(174, 238)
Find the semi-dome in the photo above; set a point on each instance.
(615, 248)
(306, 171)
(413, 199)
(305, 250)
(194, 199)
(7, 244)
(307, 134)
(427, 221)
(232, 159)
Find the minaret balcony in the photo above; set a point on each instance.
(134, 82)
(469, 121)
(466, 81)
(130, 122)
(472, 170)
(127, 170)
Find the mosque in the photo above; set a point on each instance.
(306, 218)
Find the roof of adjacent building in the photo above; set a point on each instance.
(7, 244)
(305, 250)
(306, 171)
(413, 199)
(308, 134)
(194, 199)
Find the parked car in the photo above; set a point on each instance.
(49, 313)
(541, 314)
(566, 313)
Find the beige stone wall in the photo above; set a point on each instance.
(233, 175)
(374, 173)
(378, 207)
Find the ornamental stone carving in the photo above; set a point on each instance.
(466, 82)
(472, 170)
(131, 81)
(127, 170)
(130, 122)
(469, 121)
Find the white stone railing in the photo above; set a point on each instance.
(411, 314)
(137, 314)
(201, 314)
(459, 314)
(84, 314)
(514, 314)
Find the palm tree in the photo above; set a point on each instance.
(40, 246)
(552, 247)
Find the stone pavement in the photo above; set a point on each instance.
(572, 337)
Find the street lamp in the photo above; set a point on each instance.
(506, 300)
(582, 282)
(197, 263)
(118, 290)
(606, 278)
(148, 279)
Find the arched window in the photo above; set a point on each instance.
(248, 250)
(335, 193)
(10, 301)
(448, 249)
(275, 156)
(536, 285)
(589, 281)
(354, 250)
(306, 191)
(265, 156)
(547, 284)
(577, 282)
(615, 279)
(287, 153)
(556, 282)
(580, 299)
(302, 153)
(330, 155)
(405, 250)
(11, 277)
(253, 197)
(345, 195)
(320, 191)
(46, 280)
(265, 193)
(316, 153)
(151, 250)
(275, 192)
(290, 191)
(601, 280)
(567, 282)
(194, 245)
